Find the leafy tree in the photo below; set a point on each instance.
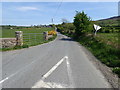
(81, 22)
(66, 28)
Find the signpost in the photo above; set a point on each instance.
(96, 28)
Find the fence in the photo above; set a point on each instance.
(21, 38)
(33, 38)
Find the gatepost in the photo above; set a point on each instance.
(19, 38)
(45, 35)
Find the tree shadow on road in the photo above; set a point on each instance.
(66, 39)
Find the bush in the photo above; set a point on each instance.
(25, 46)
(115, 63)
(105, 61)
(81, 23)
(52, 32)
(117, 71)
(17, 47)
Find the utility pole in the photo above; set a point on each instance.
(52, 20)
(53, 24)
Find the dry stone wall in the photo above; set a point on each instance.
(7, 42)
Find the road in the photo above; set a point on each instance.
(58, 64)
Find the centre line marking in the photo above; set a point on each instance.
(53, 68)
(70, 74)
(41, 83)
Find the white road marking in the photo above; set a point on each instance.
(53, 68)
(3, 80)
(42, 84)
(8, 77)
(69, 74)
(46, 75)
(22, 69)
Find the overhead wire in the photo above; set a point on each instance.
(57, 11)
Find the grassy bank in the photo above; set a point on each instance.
(106, 52)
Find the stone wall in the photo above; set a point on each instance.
(7, 42)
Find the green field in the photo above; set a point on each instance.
(9, 33)
(31, 36)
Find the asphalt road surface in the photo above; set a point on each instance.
(57, 64)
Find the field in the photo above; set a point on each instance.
(9, 33)
(31, 36)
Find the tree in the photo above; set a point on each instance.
(81, 23)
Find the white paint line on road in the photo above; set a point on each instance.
(25, 66)
(7, 78)
(53, 68)
(41, 83)
(46, 75)
(3, 80)
(70, 74)
(22, 69)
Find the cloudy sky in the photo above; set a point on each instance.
(34, 13)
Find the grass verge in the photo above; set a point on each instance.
(27, 46)
(105, 53)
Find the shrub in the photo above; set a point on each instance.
(17, 47)
(117, 71)
(25, 46)
(82, 23)
(115, 63)
(52, 32)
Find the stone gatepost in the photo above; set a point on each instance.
(19, 38)
(45, 34)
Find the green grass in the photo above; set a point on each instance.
(109, 38)
(107, 54)
(10, 33)
(27, 46)
(28, 39)
(33, 39)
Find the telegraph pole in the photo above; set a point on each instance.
(52, 20)
(53, 24)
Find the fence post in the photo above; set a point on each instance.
(45, 34)
(19, 38)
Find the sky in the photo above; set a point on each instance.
(36, 13)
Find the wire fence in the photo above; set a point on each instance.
(33, 38)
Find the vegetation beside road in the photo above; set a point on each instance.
(104, 46)
(10, 33)
(104, 52)
(36, 37)
(27, 46)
